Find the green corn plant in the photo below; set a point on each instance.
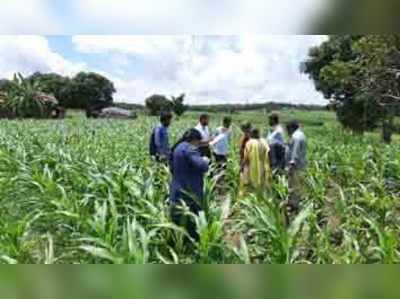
(86, 191)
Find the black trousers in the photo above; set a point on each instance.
(220, 158)
(205, 151)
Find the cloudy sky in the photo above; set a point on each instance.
(205, 48)
(209, 69)
(159, 16)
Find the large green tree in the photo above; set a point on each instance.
(157, 103)
(90, 90)
(25, 99)
(178, 104)
(380, 61)
(360, 75)
(347, 69)
(54, 84)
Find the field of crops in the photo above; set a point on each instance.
(85, 191)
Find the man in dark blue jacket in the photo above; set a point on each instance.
(159, 144)
(188, 170)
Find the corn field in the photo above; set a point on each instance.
(86, 191)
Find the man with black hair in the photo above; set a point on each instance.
(159, 143)
(296, 163)
(202, 127)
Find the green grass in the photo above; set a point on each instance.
(85, 191)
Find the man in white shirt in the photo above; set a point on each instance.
(202, 127)
(220, 148)
(220, 144)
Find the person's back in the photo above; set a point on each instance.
(221, 142)
(159, 140)
(297, 163)
(276, 136)
(256, 159)
(159, 143)
(298, 150)
(188, 169)
(257, 153)
(276, 142)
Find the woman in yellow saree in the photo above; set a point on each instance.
(256, 175)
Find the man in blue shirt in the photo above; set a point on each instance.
(188, 171)
(159, 144)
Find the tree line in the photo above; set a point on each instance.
(165, 103)
(91, 92)
(268, 106)
(84, 90)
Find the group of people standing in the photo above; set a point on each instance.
(260, 158)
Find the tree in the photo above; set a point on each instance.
(24, 98)
(360, 75)
(5, 85)
(380, 61)
(357, 16)
(157, 103)
(54, 84)
(337, 72)
(178, 105)
(88, 90)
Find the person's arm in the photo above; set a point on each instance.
(197, 161)
(208, 141)
(218, 138)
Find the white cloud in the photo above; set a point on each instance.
(211, 68)
(158, 17)
(129, 44)
(28, 17)
(197, 16)
(28, 54)
(259, 68)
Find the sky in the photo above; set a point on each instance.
(208, 69)
(224, 51)
(203, 17)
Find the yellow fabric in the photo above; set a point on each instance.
(257, 171)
